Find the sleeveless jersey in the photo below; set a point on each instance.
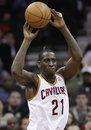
(49, 109)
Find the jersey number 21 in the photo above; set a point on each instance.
(55, 104)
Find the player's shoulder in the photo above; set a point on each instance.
(61, 70)
(60, 77)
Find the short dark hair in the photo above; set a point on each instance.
(81, 92)
(15, 91)
(45, 49)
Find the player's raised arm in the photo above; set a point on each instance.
(22, 76)
(73, 64)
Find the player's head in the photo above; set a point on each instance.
(47, 62)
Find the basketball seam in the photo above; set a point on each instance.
(37, 16)
(47, 16)
(44, 20)
(43, 15)
(34, 21)
(40, 11)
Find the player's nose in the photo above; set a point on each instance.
(51, 64)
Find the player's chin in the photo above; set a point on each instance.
(51, 72)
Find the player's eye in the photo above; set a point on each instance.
(47, 60)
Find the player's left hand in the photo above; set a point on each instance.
(28, 32)
(58, 20)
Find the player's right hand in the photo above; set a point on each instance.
(58, 20)
(28, 34)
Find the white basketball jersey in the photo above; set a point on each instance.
(50, 107)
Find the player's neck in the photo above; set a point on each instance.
(48, 78)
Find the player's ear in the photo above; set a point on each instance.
(38, 64)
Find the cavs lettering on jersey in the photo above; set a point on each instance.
(49, 108)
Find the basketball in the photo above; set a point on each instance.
(37, 14)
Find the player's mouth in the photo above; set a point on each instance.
(51, 68)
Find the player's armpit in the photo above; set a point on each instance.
(70, 70)
(26, 78)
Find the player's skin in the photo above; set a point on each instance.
(48, 63)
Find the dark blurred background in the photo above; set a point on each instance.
(13, 105)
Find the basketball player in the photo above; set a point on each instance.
(46, 93)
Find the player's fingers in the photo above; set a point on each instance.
(28, 27)
(54, 12)
(60, 14)
(36, 33)
(25, 23)
(51, 22)
(52, 16)
(24, 26)
(31, 29)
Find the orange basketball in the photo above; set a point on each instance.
(37, 14)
